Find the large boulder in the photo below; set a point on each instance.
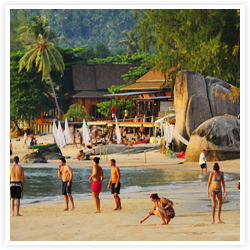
(191, 104)
(220, 106)
(219, 135)
(35, 157)
(51, 153)
(197, 100)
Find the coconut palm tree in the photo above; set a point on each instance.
(130, 42)
(41, 51)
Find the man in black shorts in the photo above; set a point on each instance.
(16, 185)
(115, 183)
(67, 175)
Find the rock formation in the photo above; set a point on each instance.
(195, 102)
(220, 135)
(42, 155)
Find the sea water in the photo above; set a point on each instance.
(42, 183)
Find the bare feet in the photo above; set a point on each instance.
(12, 215)
(97, 211)
(118, 208)
(219, 221)
(212, 222)
(18, 215)
(163, 223)
(66, 209)
(73, 208)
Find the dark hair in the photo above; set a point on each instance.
(113, 160)
(16, 159)
(154, 196)
(216, 167)
(96, 160)
(63, 159)
(204, 150)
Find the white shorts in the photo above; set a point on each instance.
(113, 115)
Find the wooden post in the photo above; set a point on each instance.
(100, 153)
(128, 150)
(145, 156)
(107, 154)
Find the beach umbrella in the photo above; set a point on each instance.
(86, 137)
(118, 132)
(61, 139)
(67, 132)
(55, 132)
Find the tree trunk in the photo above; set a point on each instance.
(57, 106)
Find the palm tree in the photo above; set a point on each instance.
(130, 42)
(42, 51)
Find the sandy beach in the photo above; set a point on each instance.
(47, 222)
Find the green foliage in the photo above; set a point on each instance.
(27, 92)
(77, 111)
(80, 26)
(102, 50)
(203, 40)
(130, 42)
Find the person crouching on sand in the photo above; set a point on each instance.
(163, 208)
(67, 175)
(115, 183)
(216, 177)
(97, 176)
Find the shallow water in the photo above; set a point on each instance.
(42, 183)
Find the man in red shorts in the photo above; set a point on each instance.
(97, 176)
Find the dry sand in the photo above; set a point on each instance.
(47, 221)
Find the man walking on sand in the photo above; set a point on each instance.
(115, 183)
(67, 175)
(97, 176)
(16, 185)
(203, 162)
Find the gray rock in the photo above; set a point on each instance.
(219, 106)
(35, 157)
(189, 85)
(220, 135)
(51, 153)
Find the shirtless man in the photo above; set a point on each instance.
(67, 175)
(115, 183)
(16, 185)
(97, 176)
(95, 135)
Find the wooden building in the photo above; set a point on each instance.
(156, 99)
(92, 83)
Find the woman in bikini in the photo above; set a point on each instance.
(163, 208)
(217, 178)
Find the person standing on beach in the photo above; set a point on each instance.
(115, 183)
(80, 138)
(67, 175)
(11, 149)
(203, 162)
(163, 208)
(97, 176)
(74, 139)
(16, 185)
(217, 178)
(25, 139)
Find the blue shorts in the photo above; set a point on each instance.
(31, 143)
